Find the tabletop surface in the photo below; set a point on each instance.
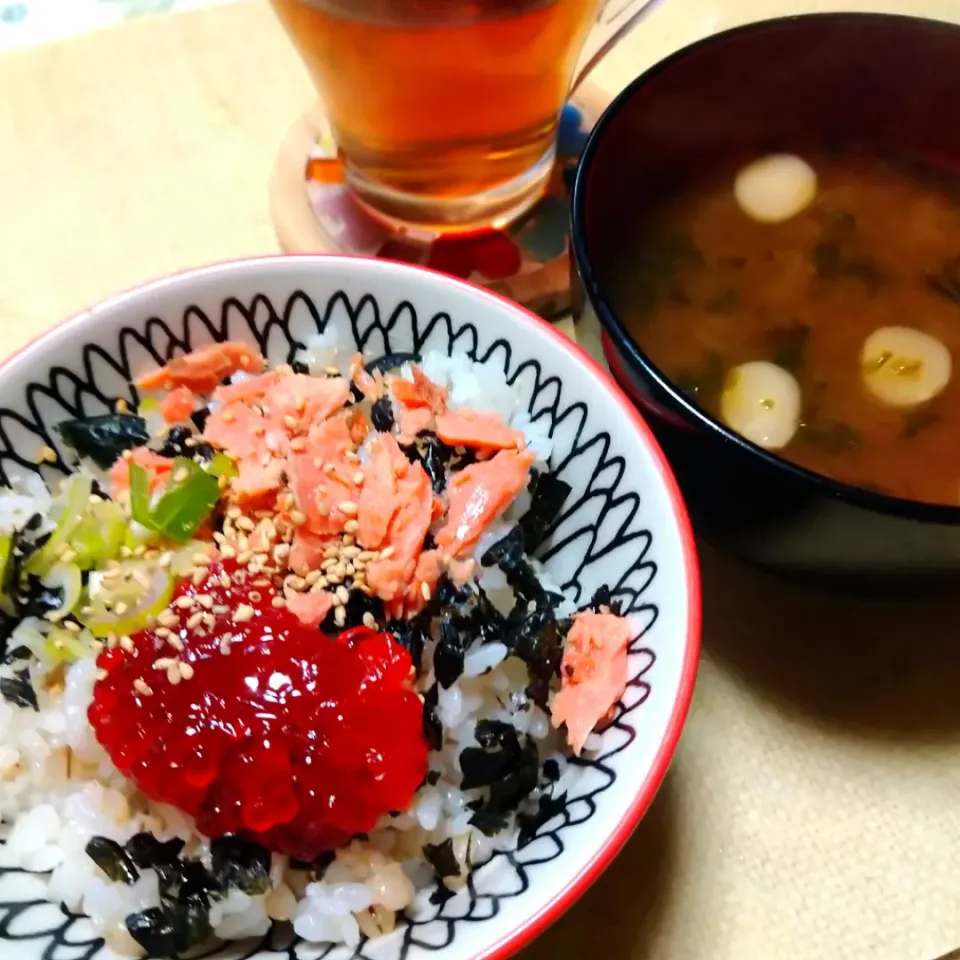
(812, 810)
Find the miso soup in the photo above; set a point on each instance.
(813, 305)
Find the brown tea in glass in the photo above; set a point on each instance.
(445, 111)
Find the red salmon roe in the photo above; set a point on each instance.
(255, 724)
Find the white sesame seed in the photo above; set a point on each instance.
(351, 456)
(165, 559)
(185, 602)
(243, 613)
(168, 618)
(195, 620)
(234, 513)
(97, 646)
(199, 576)
(127, 644)
(205, 601)
(201, 559)
(244, 557)
(351, 552)
(343, 594)
(174, 641)
(369, 620)
(351, 526)
(224, 580)
(340, 616)
(358, 477)
(425, 591)
(162, 632)
(221, 609)
(102, 674)
(387, 552)
(245, 523)
(278, 602)
(161, 663)
(186, 671)
(298, 518)
(112, 641)
(173, 674)
(227, 552)
(348, 507)
(140, 686)
(291, 422)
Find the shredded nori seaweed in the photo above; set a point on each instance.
(488, 821)
(503, 763)
(551, 770)
(199, 418)
(441, 857)
(441, 895)
(432, 727)
(240, 863)
(548, 807)
(531, 630)
(185, 891)
(391, 361)
(175, 445)
(437, 458)
(104, 438)
(548, 493)
(147, 851)
(449, 653)
(35, 599)
(603, 597)
(153, 930)
(381, 415)
(112, 859)
(18, 690)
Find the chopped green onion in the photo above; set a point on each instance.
(190, 496)
(143, 588)
(222, 466)
(74, 510)
(99, 536)
(66, 578)
(64, 646)
(140, 496)
(6, 544)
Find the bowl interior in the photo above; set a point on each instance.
(623, 526)
(867, 81)
(823, 82)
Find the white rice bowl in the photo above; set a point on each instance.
(623, 526)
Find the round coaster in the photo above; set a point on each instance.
(527, 260)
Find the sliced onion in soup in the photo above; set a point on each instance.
(775, 188)
(761, 402)
(904, 367)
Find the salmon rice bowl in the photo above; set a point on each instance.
(279, 649)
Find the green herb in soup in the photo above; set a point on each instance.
(811, 304)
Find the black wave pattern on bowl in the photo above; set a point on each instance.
(61, 935)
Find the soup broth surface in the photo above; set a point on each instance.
(879, 246)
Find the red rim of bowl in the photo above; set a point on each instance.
(531, 928)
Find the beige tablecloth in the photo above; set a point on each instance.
(812, 811)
